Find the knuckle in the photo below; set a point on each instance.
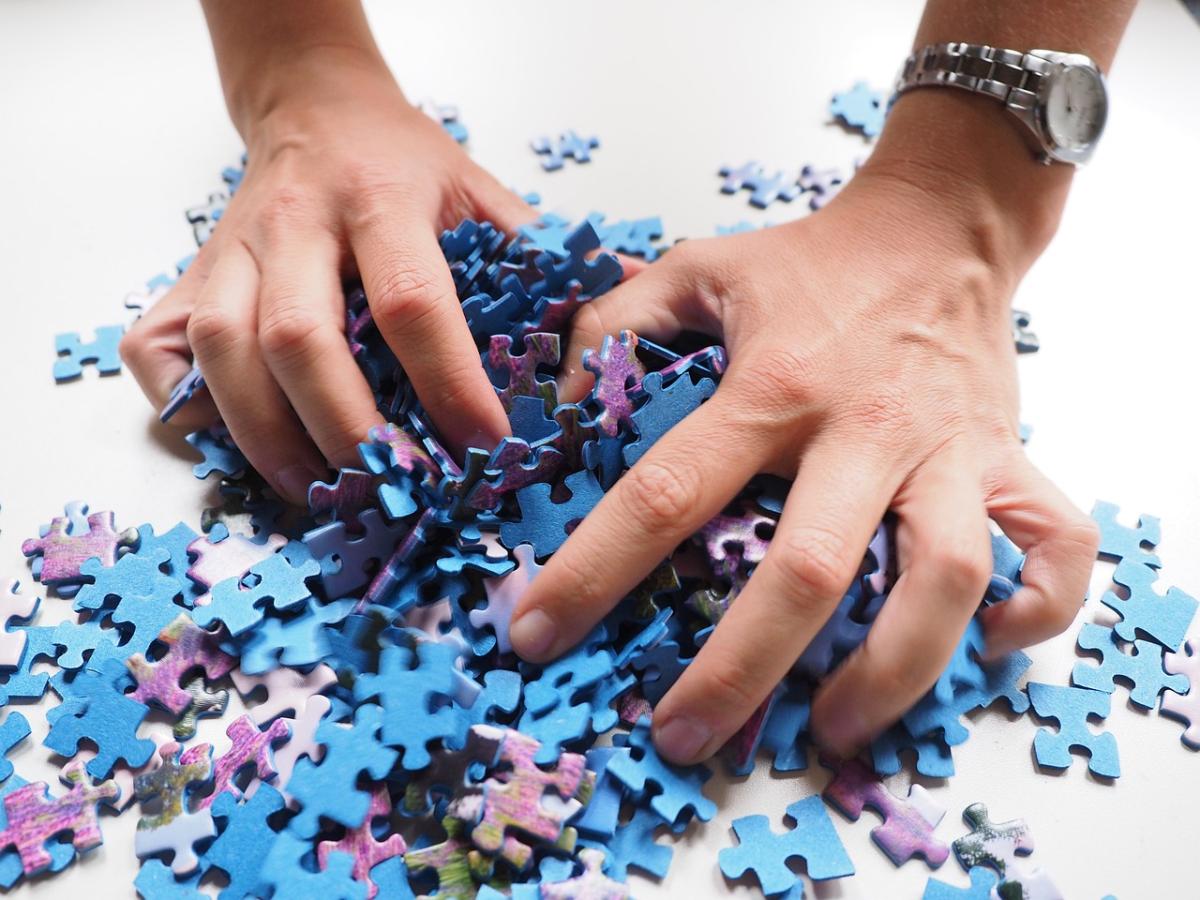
(724, 683)
(405, 295)
(133, 347)
(817, 563)
(965, 569)
(788, 378)
(887, 408)
(289, 332)
(287, 206)
(661, 493)
(211, 329)
(1057, 617)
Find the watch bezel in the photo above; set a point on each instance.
(1055, 151)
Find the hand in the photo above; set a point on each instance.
(871, 359)
(343, 174)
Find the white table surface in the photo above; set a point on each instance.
(111, 123)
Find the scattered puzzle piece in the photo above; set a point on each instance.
(907, 829)
(1142, 669)
(1185, 706)
(1072, 707)
(568, 144)
(766, 854)
(102, 352)
(1163, 617)
(860, 109)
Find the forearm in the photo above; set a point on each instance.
(965, 150)
(266, 50)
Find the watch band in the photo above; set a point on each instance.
(1010, 76)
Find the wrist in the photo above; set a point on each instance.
(967, 162)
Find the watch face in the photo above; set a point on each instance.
(1076, 105)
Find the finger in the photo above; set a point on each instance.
(1060, 544)
(497, 204)
(300, 330)
(157, 352)
(223, 333)
(658, 503)
(416, 309)
(944, 527)
(828, 519)
(659, 303)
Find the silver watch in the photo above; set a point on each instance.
(1060, 97)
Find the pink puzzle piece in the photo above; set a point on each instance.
(503, 593)
(287, 689)
(361, 843)
(303, 742)
(616, 368)
(516, 798)
(1185, 707)
(907, 828)
(189, 647)
(34, 818)
(62, 554)
(228, 558)
(248, 746)
(734, 542)
(13, 605)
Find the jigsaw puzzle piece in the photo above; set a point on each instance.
(74, 354)
(1071, 707)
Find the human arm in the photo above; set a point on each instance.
(871, 359)
(344, 176)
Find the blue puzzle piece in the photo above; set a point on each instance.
(175, 542)
(74, 354)
(1071, 707)
(764, 189)
(528, 420)
(284, 871)
(14, 730)
(665, 408)
(93, 707)
(983, 885)
(785, 733)
(156, 881)
(329, 788)
(633, 237)
(239, 608)
(1163, 617)
(1142, 669)
(407, 686)
(136, 577)
(220, 454)
(544, 523)
(24, 683)
(680, 787)
(598, 819)
(568, 144)
(632, 846)
(860, 109)
(297, 641)
(1118, 542)
(661, 667)
(766, 854)
(238, 849)
(930, 714)
(934, 759)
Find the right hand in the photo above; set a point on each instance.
(343, 176)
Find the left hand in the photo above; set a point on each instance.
(872, 360)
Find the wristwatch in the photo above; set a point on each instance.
(1059, 97)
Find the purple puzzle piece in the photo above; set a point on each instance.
(344, 498)
(503, 593)
(248, 745)
(735, 542)
(62, 553)
(362, 844)
(34, 819)
(616, 368)
(189, 647)
(541, 349)
(907, 829)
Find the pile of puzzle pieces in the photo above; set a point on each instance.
(394, 745)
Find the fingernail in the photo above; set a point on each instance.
(294, 481)
(681, 739)
(533, 634)
(844, 731)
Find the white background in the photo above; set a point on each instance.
(111, 123)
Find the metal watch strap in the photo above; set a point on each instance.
(1010, 76)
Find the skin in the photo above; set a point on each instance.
(870, 347)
